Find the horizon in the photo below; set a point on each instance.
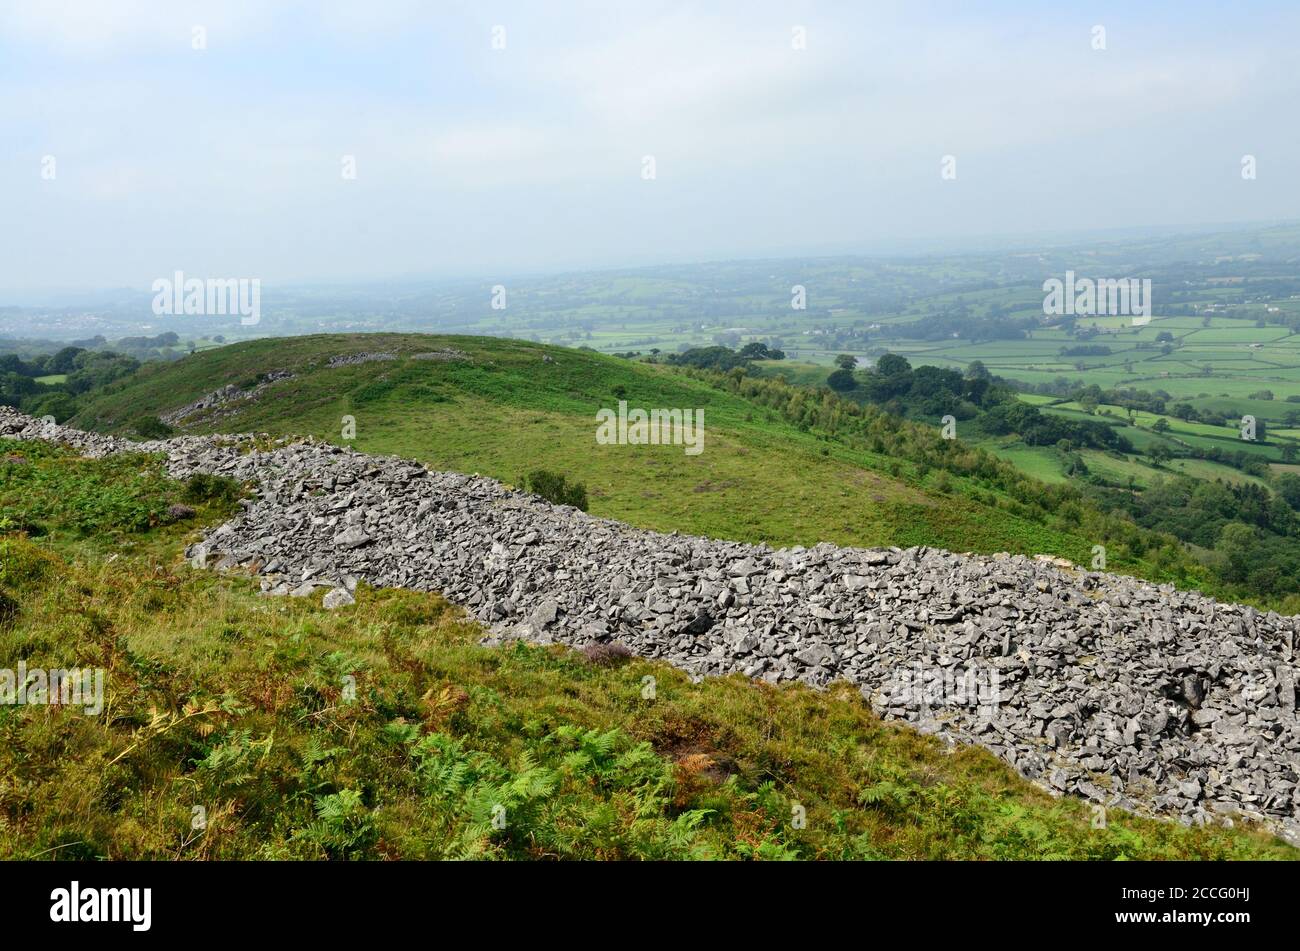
(925, 248)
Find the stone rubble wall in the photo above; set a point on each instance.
(354, 359)
(1117, 690)
(222, 398)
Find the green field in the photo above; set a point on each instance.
(1041, 462)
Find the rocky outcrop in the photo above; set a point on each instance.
(223, 399)
(352, 359)
(447, 354)
(1099, 685)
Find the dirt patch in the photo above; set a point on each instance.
(695, 748)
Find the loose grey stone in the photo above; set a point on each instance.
(337, 598)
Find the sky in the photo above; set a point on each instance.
(126, 153)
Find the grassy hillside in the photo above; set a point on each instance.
(228, 728)
(512, 406)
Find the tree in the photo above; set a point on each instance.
(708, 358)
(96, 368)
(846, 361)
(1161, 425)
(63, 361)
(891, 364)
(60, 405)
(1239, 546)
(842, 381)
(1288, 486)
(759, 351)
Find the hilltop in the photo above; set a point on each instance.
(503, 407)
(770, 474)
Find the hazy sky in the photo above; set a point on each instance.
(228, 161)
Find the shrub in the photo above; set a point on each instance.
(151, 427)
(23, 563)
(20, 523)
(8, 610)
(555, 488)
(842, 381)
(606, 654)
(202, 487)
(62, 406)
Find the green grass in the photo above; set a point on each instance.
(508, 409)
(44, 491)
(1272, 410)
(384, 730)
(803, 374)
(1205, 469)
(1119, 469)
(1041, 462)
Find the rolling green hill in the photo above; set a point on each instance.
(508, 406)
